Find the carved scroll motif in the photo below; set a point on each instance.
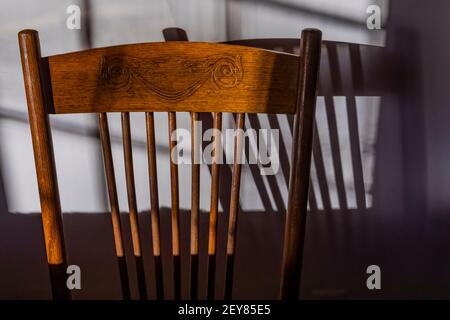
(170, 78)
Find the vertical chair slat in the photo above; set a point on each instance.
(195, 204)
(114, 203)
(175, 219)
(214, 207)
(177, 34)
(154, 210)
(234, 205)
(44, 161)
(132, 205)
(295, 226)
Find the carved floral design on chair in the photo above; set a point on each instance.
(170, 78)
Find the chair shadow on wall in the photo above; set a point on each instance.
(335, 231)
(348, 71)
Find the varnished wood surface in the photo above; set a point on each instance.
(111, 183)
(174, 76)
(234, 204)
(131, 190)
(132, 205)
(154, 200)
(195, 203)
(175, 210)
(44, 161)
(113, 202)
(294, 237)
(214, 207)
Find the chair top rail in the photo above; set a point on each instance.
(174, 76)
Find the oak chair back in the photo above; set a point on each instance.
(172, 77)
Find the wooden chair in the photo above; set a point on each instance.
(172, 77)
(350, 70)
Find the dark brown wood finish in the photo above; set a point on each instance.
(310, 46)
(132, 205)
(154, 198)
(113, 203)
(195, 203)
(234, 204)
(173, 77)
(214, 207)
(175, 210)
(176, 34)
(35, 88)
(127, 78)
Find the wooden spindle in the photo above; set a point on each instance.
(294, 236)
(234, 205)
(113, 203)
(44, 160)
(214, 207)
(175, 219)
(132, 205)
(195, 204)
(154, 198)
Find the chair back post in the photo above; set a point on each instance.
(36, 89)
(310, 47)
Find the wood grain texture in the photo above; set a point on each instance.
(215, 172)
(174, 76)
(111, 183)
(154, 199)
(195, 196)
(153, 182)
(195, 203)
(310, 46)
(44, 161)
(132, 204)
(113, 201)
(131, 191)
(174, 178)
(234, 204)
(175, 210)
(175, 219)
(214, 206)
